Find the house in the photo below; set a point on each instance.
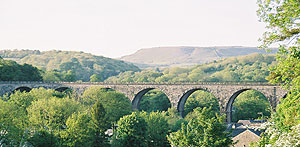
(245, 132)
(245, 138)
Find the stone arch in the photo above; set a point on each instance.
(138, 97)
(62, 89)
(22, 89)
(228, 108)
(184, 97)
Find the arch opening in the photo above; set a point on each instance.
(22, 89)
(151, 99)
(197, 98)
(63, 89)
(247, 104)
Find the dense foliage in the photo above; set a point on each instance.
(131, 131)
(154, 100)
(250, 105)
(201, 99)
(49, 118)
(115, 104)
(143, 129)
(12, 71)
(282, 19)
(206, 130)
(82, 65)
(251, 68)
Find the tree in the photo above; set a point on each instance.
(154, 100)
(115, 104)
(131, 131)
(51, 113)
(51, 76)
(24, 99)
(69, 76)
(14, 112)
(201, 99)
(249, 105)
(100, 124)
(79, 131)
(43, 138)
(174, 119)
(157, 129)
(282, 19)
(207, 130)
(13, 123)
(12, 71)
(96, 78)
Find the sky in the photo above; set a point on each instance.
(114, 28)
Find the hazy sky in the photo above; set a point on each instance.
(114, 28)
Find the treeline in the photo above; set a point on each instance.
(70, 65)
(251, 68)
(12, 71)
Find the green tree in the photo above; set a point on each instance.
(100, 124)
(43, 138)
(69, 76)
(12, 71)
(51, 76)
(79, 131)
(249, 105)
(96, 78)
(115, 104)
(157, 129)
(207, 130)
(51, 113)
(24, 99)
(13, 121)
(282, 20)
(201, 99)
(174, 119)
(131, 131)
(16, 117)
(155, 100)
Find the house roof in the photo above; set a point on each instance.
(246, 137)
(237, 131)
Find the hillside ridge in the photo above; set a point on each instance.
(186, 56)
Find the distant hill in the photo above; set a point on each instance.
(249, 68)
(84, 65)
(185, 56)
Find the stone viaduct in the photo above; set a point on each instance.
(176, 92)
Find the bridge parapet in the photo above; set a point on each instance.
(143, 83)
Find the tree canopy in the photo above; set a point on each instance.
(115, 104)
(154, 100)
(206, 130)
(81, 65)
(282, 18)
(12, 71)
(250, 105)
